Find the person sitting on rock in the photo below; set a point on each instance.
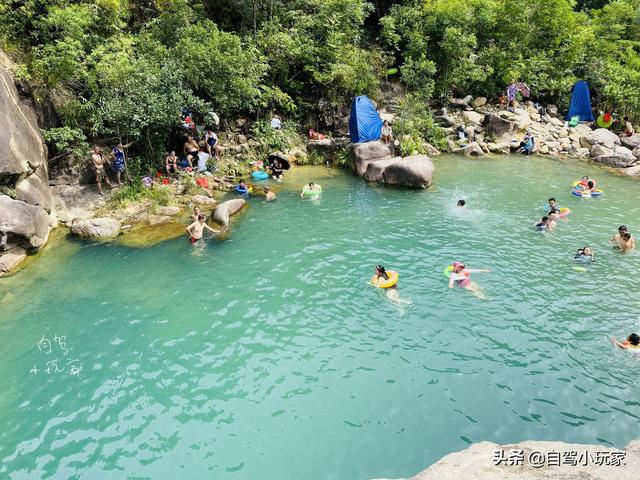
(386, 133)
(98, 161)
(211, 139)
(190, 150)
(203, 157)
(627, 130)
(528, 144)
(171, 163)
(276, 170)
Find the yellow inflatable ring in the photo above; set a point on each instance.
(393, 279)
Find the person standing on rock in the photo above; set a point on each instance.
(98, 161)
(119, 160)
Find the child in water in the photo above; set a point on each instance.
(378, 280)
(631, 343)
(585, 254)
(461, 277)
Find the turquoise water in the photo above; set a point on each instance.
(267, 355)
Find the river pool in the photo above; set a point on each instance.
(267, 355)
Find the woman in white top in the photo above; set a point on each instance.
(387, 133)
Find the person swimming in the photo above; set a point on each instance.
(311, 189)
(242, 188)
(585, 254)
(584, 182)
(461, 277)
(461, 203)
(379, 278)
(552, 206)
(196, 229)
(631, 343)
(623, 239)
(546, 223)
(269, 194)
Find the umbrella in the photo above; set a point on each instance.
(281, 158)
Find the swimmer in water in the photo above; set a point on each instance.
(242, 187)
(196, 229)
(585, 254)
(269, 194)
(631, 343)
(553, 205)
(379, 278)
(461, 203)
(546, 223)
(461, 277)
(623, 239)
(311, 187)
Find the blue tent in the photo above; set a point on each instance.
(581, 102)
(364, 124)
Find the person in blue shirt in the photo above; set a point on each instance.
(119, 160)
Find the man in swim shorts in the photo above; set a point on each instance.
(98, 162)
(190, 150)
(196, 229)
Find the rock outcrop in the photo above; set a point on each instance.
(477, 462)
(96, 228)
(373, 161)
(226, 209)
(26, 204)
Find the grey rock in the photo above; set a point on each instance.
(34, 189)
(479, 102)
(625, 152)
(361, 154)
(26, 224)
(473, 149)
(631, 142)
(602, 136)
(476, 463)
(472, 117)
(96, 228)
(444, 120)
(168, 211)
(458, 103)
(415, 171)
(598, 150)
(203, 200)
(497, 126)
(615, 160)
(75, 201)
(223, 211)
(154, 220)
(11, 258)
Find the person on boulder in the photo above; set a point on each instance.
(528, 144)
(386, 133)
(98, 162)
(627, 130)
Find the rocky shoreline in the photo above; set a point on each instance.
(555, 460)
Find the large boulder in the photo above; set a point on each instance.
(10, 259)
(25, 224)
(496, 126)
(472, 117)
(96, 228)
(415, 171)
(602, 136)
(484, 461)
(34, 189)
(479, 102)
(75, 202)
(631, 142)
(361, 154)
(599, 150)
(21, 148)
(616, 160)
(472, 149)
(223, 211)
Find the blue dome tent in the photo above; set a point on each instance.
(364, 124)
(580, 102)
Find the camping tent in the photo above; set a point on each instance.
(580, 102)
(365, 123)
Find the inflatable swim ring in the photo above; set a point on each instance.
(447, 271)
(260, 175)
(601, 123)
(393, 279)
(564, 211)
(313, 193)
(243, 191)
(392, 71)
(596, 192)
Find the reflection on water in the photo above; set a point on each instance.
(267, 355)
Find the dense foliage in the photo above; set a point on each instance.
(124, 69)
